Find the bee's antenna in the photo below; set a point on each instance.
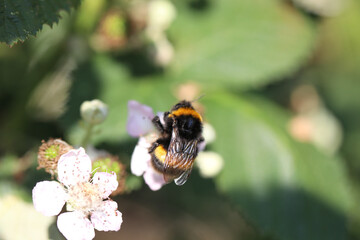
(198, 98)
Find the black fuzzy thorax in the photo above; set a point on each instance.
(189, 127)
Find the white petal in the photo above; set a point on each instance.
(153, 179)
(201, 146)
(49, 197)
(75, 226)
(139, 119)
(140, 157)
(107, 183)
(107, 218)
(74, 167)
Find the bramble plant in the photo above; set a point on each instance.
(279, 109)
(86, 194)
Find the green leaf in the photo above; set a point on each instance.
(240, 43)
(109, 81)
(289, 190)
(21, 18)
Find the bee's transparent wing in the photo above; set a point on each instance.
(179, 158)
(183, 178)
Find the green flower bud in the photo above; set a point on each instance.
(94, 112)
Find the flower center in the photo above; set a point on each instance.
(52, 152)
(84, 197)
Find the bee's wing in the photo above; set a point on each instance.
(183, 177)
(180, 158)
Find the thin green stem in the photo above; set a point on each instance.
(87, 135)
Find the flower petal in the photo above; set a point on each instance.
(139, 119)
(107, 183)
(74, 167)
(107, 218)
(49, 197)
(140, 157)
(154, 179)
(75, 226)
(201, 146)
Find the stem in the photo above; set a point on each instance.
(87, 136)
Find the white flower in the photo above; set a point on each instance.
(84, 197)
(139, 119)
(141, 163)
(139, 125)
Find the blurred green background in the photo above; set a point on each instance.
(281, 88)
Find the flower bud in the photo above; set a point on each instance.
(162, 51)
(324, 8)
(161, 14)
(209, 133)
(50, 153)
(94, 112)
(209, 163)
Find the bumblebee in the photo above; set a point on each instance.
(174, 152)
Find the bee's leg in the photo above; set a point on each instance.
(201, 139)
(168, 121)
(153, 146)
(158, 125)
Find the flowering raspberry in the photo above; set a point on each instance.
(88, 199)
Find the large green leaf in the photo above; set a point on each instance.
(21, 18)
(289, 190)
(244, 43)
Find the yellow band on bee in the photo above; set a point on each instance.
(160, 153)
(186, 111)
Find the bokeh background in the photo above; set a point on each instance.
(281, 86)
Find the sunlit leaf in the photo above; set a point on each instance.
(289, 190)
(21, 18)
(245, 43)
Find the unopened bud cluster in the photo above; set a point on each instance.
(93, 112)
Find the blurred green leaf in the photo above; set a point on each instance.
(54, 233)
(337, 71)
(337, 75)
(110, 82)
(133, 183)
(8, 166)
(21, 18)
(241, 43)
(290, 190)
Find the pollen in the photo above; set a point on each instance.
(84, 197)
(160, 153)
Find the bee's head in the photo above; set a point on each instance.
(182, 104)
(188, 126)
